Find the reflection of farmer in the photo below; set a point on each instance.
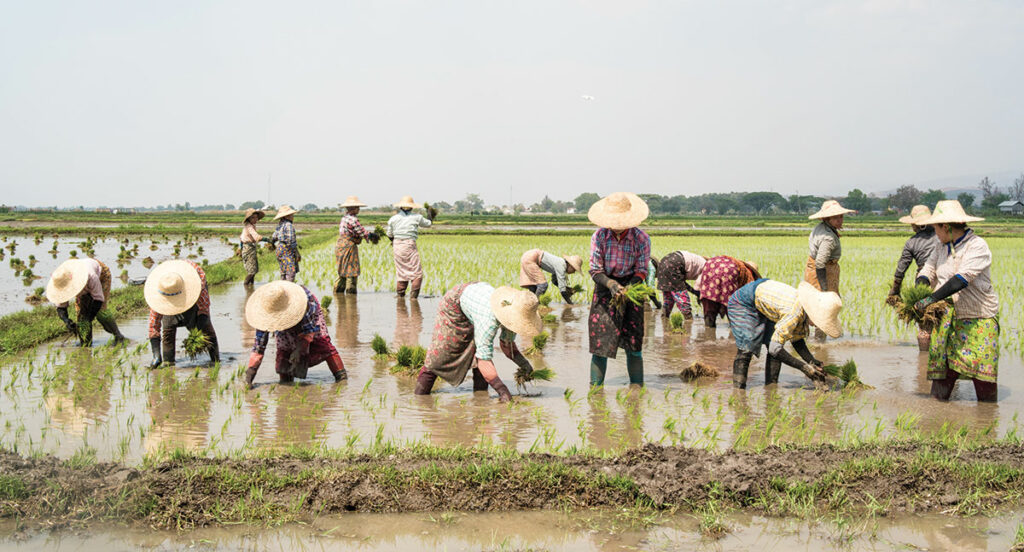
(535, 262)
(403, 229)
(177, 296)
(293, 313)
(619, 254)
(918, 248)
(966, 343)
(287, 246)
(87, 281)
(772, 313)
(469, 318)
(719, 279)
(822, 269)
(408, 322)
(251, 239)
(346, 252)
(674, 271)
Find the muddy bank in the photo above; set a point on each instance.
(194, 492)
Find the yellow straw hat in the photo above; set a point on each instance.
(619, 211)
(407, 203)
(353, 201)
(172, 287)
(276, 306)
(250, 212)
(822, 308)
(67, 281)
(949, 211)
(574, 261)
(516, 309)
(830, 208)
(284, 211)
(917, 215)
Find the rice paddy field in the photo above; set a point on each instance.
(677, 464)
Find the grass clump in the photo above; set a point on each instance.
(196, 343)
(539, 342)
(379, 346)
(549, 318)
(325, 302)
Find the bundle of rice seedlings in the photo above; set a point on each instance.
(325, 302)
(698, 370)
(576, 288)
(847, 373)
(409, 359)
(539, 342)
(541, 374)
(148, 262)
(545, 298)
(431, 211)
(549, 318)
(905, 311)
(675, 321)
(196, 343)
(638, 294)
(379, 346)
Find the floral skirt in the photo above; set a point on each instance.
(288, 263)
(611, 328)
(968, 347)
(452, 351)
(346, 256)
(250, 258)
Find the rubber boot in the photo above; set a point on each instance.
(167, 338)
(924, 340)
(350, 285)
(424, 382)
(740, 367)
(635, 368)
(414, 288)
(598, 368)
(206, 325)
(107, 321)
(400, 288)
(250, 375)
(337, 367)
(339, 285)
(285, 378)
(479, 383)
(249, 279)
(772, 368)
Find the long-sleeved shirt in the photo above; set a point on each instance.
(203, 304)
(969, 259)
(557, 267)
(677, 267)
(311, 326)
(249, 233)
(406, 225)
(918, 248)
(475, 303)
(780, 304)
(93, 285)
(350, 225)
(824, 245)
(620, 257)
(284, 236)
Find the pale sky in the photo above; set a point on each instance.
(145, 103)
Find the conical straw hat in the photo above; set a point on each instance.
(250, 212)
(353, 201)
(619, 211)
(172, 287)
(407, 203)
(516, 309)
(822, 308)
(284, 211)
(830, 208)
(574, 261)
(949, 211)
(276, 306)
(917, 215)
(67, 281)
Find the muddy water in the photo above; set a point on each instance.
(547, 531)
(15, 288)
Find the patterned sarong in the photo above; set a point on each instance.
(611, 328)
(831, 275)
(250, 258)
(288, 263)
(346, 256)
(452, 351)
(750, 328)
(407, 260)
(722, 276)
(530, 272)
(968, 347)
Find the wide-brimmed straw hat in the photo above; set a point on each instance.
(258, 212)
(276, 306)
(353, 201)
(822, 308)
(619, 211)
(516, 309)
(67, 281)
(949, 211)
(172, 287)
(284, 211)
(574, 261)
(407, 203)
(830, 208)
(917, 215)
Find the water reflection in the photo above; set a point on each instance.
(408, 322)
(179, 410)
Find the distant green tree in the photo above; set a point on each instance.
(966, 199)
(858, 201)
(251, 205)
(760, 202)
(931, 197)
(474, 201)
(905, 197)
(309, 207)
(584, 201)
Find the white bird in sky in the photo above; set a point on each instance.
(586, 97)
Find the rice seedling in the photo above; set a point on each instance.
(379, 346)
(637, 293)
(431, 211)
(409, 359)
(905, 311)
(675, 321)
(549, 318)
(847, 373)
(196, 343)
(696, 370)
(538, 343)
(325, 302)
(541, 374)
(545, 298)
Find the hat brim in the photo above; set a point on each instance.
(353, 205)
(576, 266)
(79, 279)
(260, 318)
(285, 213)
(258, 214)
(408, 206)
(912, 220)
(638, 212)
(808, 297)
(943, 218)
(170, 305)
(826, 213)
(518, 321)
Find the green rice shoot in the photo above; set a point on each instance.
(846, 372)
(675, 321)
(905, 311)
(637, 293)
(545, 298)
(409, 359)
(380, 347)
(549, 318)
(541, 374)
(539, 342)
(325, 302)
(196, 343)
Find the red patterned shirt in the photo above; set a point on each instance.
(350, 225)
(620, 257)
(203, 304)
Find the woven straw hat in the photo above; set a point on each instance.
(67, 281)
(574, 261)
(949, 211)
(276, 306)
(284, 211)
(173, 287)
(830, 208)
(407, 203)
(619, 211)
(917, 215)
(822, 308)
(353, 201)
(516, 309)
(250, 212)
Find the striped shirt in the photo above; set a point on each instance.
(350, 225)
(202, 304)
(780, 304)
(824, 245)
(918, 248)
(620, 257)
(475, 303)
(312, 325)
(970, 259)
(406, 226)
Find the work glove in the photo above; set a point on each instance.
(822, 276)
(923, 304)
(154, 345)
(896, 285)
(614, 287)
(62, 313)
(567, 297)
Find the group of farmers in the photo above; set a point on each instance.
(951, 259)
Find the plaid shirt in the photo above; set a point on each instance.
(310, 327)
(780, 304)
(617, 257)
(284, 236)
(350, 225)
(203, 304)
(475, 303)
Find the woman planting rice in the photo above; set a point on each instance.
(177, 296)
(720, 278)
(287, 247)
(346, 252)
(619, 253)
(674, 270)
(294, 315)
(535, 262)
(919, 248)
(822, 269)
(965, 345)
(251, 239)
(469, 318)
(403, 230)
(87, 281)
(772, 313)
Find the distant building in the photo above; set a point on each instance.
(1013, 206)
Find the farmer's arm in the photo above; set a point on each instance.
(508, 346)
(800, 346)
(906, 258)
(643, 257)
(927, 273)
(425, 222)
